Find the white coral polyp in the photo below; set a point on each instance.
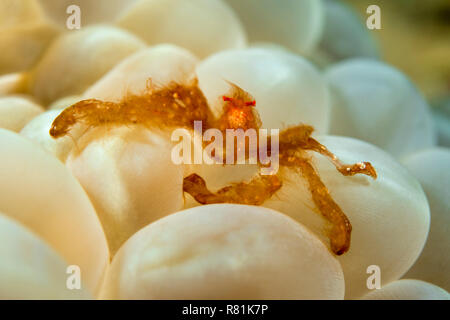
(374, 102)
(224, 251)
(432, 168)
(345, 34)
(287, 88)
(37, 130)
(77, 59)
(129, 177)
(29, 268)
(17, 111)
(24, 34)
(295, 24)
(408, 289)
(155, 66)
(38, 191)
(201, 26)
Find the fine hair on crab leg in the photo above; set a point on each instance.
(292, 143)
(345, 169)
(255, 192)
(299, 137)
(175, 105)
(341, 230)
(80, 112)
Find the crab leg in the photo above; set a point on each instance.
(255, 192)
(341, 228)
(299, 138)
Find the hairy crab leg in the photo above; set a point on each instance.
(365, 168)
(80, 112)
(172, 106)
(299, 138)
(341, 228)
(255, 192)
(293, 141)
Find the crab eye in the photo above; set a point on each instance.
(225, 98)
(251, 103)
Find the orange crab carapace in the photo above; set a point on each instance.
(178, 105)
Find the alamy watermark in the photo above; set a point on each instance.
(74, 20)
(374, 280)
(73, 281)
(374, 20)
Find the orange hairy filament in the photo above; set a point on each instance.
(299, 138)
(255, 192)
(180, 105)
(172, 106)
(341, 228)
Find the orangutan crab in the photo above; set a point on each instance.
(179, 106)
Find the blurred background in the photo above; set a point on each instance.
(415, 37)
